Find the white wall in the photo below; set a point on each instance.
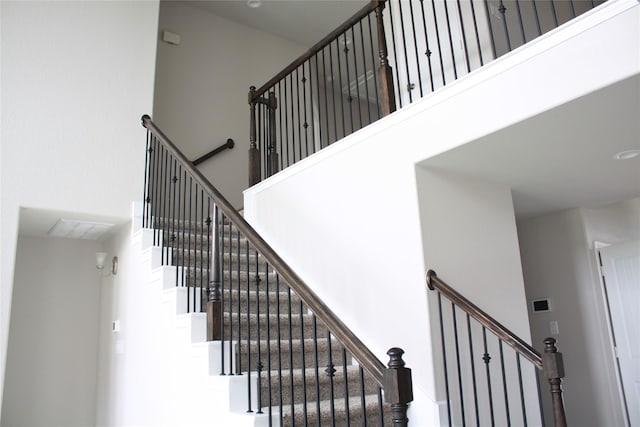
(348, 217)
(53, 343)
(202, 86)
(559, 263)
(76, 77)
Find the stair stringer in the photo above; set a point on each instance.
(202, 396)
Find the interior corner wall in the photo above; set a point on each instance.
(558, 262)
(202, 86)
(76, 78)
(53, 347)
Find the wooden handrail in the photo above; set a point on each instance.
(316, 48)
(434, 282)
(227, 145)
(360, 352)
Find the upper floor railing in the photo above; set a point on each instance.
(386, 56)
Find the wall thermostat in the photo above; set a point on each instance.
(541, 305)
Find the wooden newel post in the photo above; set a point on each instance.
(385, 74)
(272, 105)
(254, 153)
(553, 368)
(398, 391)
(214, 303)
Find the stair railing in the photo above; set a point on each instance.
(302, 364)
(219, 149)
(376, 63)
(465, 356)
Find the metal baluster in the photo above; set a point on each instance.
(330, 373)
(195, 259)
(346, 386)
(209, 263)
(453, 55)
(535, 13)
(404, 49)
(223, 335)
(435, 22)
(504, 383)
(444, 359)
(291, 385)
(415, 46)
(282, 150)
(248, 294)
(238, 314)
(475, 28)
(333, 95)
(231, 317)
(364, 67)
(311, 104)
(304, 366)
(380, 408)
(316, 366)
(363, 403)
(493, 40)
(173, 249)
(486, 358)
(188, 266)
(155, 206)
(179, 256)
(183, 269)
(286, 120)
(346, 66)
(555, 15)
(460, 390)
(318, 100)
(464, 38)
(373, 61)
(165, 207)
(259, 365)
(279, 347)
(426, 39)
(395, 49)
(522, 34)
(269, 382)
(344, 126)
(355, 70)
(298, 111)
(573, 9)
(503, 11)
(521, 387)
(473, 371)
(146, 199)
(305, 125)
(293, 120)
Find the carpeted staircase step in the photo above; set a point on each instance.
(301, 326)
(276, 300)
(295, 382)
(287, 353)
(359, 413)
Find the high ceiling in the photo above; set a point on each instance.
(301, 21)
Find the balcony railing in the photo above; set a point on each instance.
(388, 55)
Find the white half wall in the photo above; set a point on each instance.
(76, 78)
(202, 87)
(348, 218)
(53, 344)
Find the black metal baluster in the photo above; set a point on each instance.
(305, 125)
(395, 53)
(146, 199)
(330, 373)
(238, 312)
(415, 46)
(320, 145)
(363, 402)
(231, 317)
(426, 39)
(223, 335)
(290, 326)
(435, 22)
(364, 68)
(178, 255)
(460, 390)
(453, 54)
(572, 9)
(473, 372)
(269, 382)
(503, 11)
(173, 249)
(248, 294)
(504, 383)
(286, 120)
(444, 359)
(304, 366)
(373, 67)
(259, 365)
(410, 85)
(210, 265)
(475, 28)
(535, 13)
(194, 265)
(380, 408)
(555, 15)
(298, 111)
(344, 126)
(346, 386)
(521, 387)
(293, 121)
(357, 78)
(279, 348)
(282, 151)
(184, 267)
(486, 358)
(464, 38)
(156, 203)
(165, 208)
(188, 266)
(522, 33)
(311, 104)
(333, 94)
(491, 36)
(316, 366)
(346, 66)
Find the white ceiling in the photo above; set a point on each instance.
(302, 21)
(562, 158)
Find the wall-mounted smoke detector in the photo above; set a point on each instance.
(75, 229)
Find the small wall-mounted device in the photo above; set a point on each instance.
(171, 38)
(541, 305)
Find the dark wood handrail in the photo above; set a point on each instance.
(316, 48)
(227, 145)
(360, 352)
(434, 282)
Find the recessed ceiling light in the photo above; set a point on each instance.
(254, 3)
(627, 154)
